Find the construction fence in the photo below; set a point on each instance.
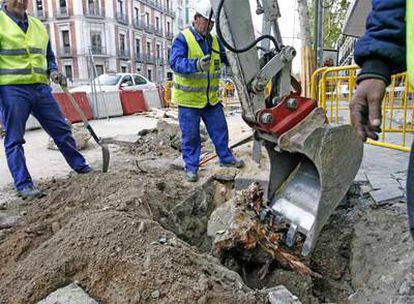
(335, 87)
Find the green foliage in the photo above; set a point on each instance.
(333, 22)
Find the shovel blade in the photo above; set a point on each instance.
(312, 168)
(106, 156)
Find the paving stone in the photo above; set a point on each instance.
(385, 196)
(71, 294)
(8, 220)
(382, 181)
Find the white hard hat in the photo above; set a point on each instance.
(203, 8)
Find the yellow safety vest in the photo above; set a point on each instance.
(22, 55)
(410, 40)
(195, 90)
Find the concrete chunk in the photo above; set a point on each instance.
(281, 295)
(71, 294)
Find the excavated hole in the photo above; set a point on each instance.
(189, 219)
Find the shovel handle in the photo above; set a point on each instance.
(81, 114)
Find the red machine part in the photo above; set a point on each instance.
(290, 111)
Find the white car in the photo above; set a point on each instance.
(116, 82)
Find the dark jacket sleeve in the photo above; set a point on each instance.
(381, 51)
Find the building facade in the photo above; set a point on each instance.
(121, 35)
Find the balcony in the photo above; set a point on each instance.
(169, 11)
(158, 31)
(169, 35)
(139, 24)
(149, 28)
(124, 54)
(65, 51)
(139, 58)
(150, 59)
(122, 18)
(98, 50)
(159, 61)
(94, 12)
(40, 15)
(62, 12)
(154, 4)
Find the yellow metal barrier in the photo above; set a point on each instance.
(334, 89)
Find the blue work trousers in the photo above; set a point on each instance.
(410, 190)
(16, 103)
(215, 121)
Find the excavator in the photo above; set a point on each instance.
(312, 163)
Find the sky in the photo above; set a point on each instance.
(289, 26)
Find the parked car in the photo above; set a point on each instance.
(117, 81)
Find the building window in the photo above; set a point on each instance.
(39, 8)
(99, 69)
(63, 10)
(148, 48)
(93, 7)
(121, 7)
(136, 13)
(138, 46)
(157, 23)
(168, 3)
(123, 69)
(122, 44)
(66, 42)
(149, 74)
(68, 72)
(147, 18)
(96, 42)
(168, 27)
(158, 51)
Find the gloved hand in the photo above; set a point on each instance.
(203, 64)
(366, 108)
(59, 78)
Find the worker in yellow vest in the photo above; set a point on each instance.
(197, 71)
(27, 63)
(386, 48)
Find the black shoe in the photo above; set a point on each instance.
(191, 176)
(30, 192)
(86, 170)
(237, 164)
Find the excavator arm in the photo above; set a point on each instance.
(312, 164)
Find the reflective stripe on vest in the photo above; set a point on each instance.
(410, 40)
(195, 90)
(22, 55)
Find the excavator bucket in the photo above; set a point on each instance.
(312, 167)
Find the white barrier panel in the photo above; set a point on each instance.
(106, 104)
(32, 123)
(152, 99)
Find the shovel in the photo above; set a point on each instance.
(105, 151)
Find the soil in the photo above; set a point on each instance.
(139, 236)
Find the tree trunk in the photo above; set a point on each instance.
(307, 54)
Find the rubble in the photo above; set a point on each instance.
(80, 134)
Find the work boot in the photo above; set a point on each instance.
(236, 164)
(86, 170)
(30, 192)
(191, 176)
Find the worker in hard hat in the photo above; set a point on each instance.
(27, 63)
(197, 71)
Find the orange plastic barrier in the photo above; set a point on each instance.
(69, 111)
(132, 102)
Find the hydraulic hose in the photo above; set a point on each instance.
(243, 49)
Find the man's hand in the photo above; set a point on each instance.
(203, 64)
(366, 108)
(59, 78)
